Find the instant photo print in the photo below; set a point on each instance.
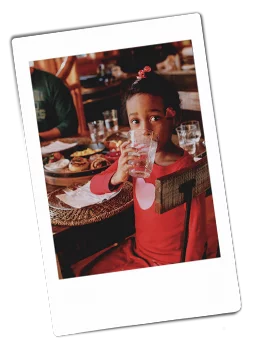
(126, 174)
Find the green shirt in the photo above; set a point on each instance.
(53, 103)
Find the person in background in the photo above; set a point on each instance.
(55, 110)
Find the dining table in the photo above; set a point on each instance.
(56, 228)
(99, 227)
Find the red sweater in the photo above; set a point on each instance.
(159, 237)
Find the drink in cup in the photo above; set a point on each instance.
(114, 114)
(198, 131)
(145, 142)
(111, 120)
(97, 130)
(187, 137)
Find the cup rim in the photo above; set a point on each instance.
(95, 121)
(153, 134)
(183, 127)
(190, 122)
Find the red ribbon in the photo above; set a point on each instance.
(170, 113)
(141, 73)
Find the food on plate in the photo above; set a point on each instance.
(78, 164)
(58, 155)
(115, 140)
(62, 163)
(99, 162)
(85, 152)
(53, 157)
(114, 145)
(94, 156)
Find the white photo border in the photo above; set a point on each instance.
(187, 290)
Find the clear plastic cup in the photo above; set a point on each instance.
(145, 142)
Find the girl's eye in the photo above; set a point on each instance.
(135, 121)
(155, 118)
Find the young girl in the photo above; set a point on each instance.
(151, 103)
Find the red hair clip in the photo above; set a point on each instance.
(170, 113)
(141, 73)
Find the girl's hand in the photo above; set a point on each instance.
(122, 172)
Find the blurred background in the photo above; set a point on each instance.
(97, 80)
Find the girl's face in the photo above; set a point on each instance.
(148, 112)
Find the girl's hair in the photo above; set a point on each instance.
(155, 85)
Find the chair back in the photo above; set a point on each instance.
(170, 189)
(75, 91)
(68, 73)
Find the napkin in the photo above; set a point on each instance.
(83, 197)
(57, 146)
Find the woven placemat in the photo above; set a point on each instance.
(93, 213)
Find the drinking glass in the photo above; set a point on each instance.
(97, 130)
(145, 141)
(111, 120)
(187, 137)
(198, 131)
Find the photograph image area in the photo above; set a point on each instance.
(124, 158)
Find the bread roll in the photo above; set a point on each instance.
(99, 162)
(78, 164)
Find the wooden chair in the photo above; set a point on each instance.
(75, 91)
(69, 64)
(180, 187)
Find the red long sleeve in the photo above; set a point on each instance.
(100, 182)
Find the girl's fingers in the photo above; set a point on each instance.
(129, 158)
(127, 168)
(127, 150)
(124, 144)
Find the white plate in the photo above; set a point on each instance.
(56, 146)
(62, 163)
